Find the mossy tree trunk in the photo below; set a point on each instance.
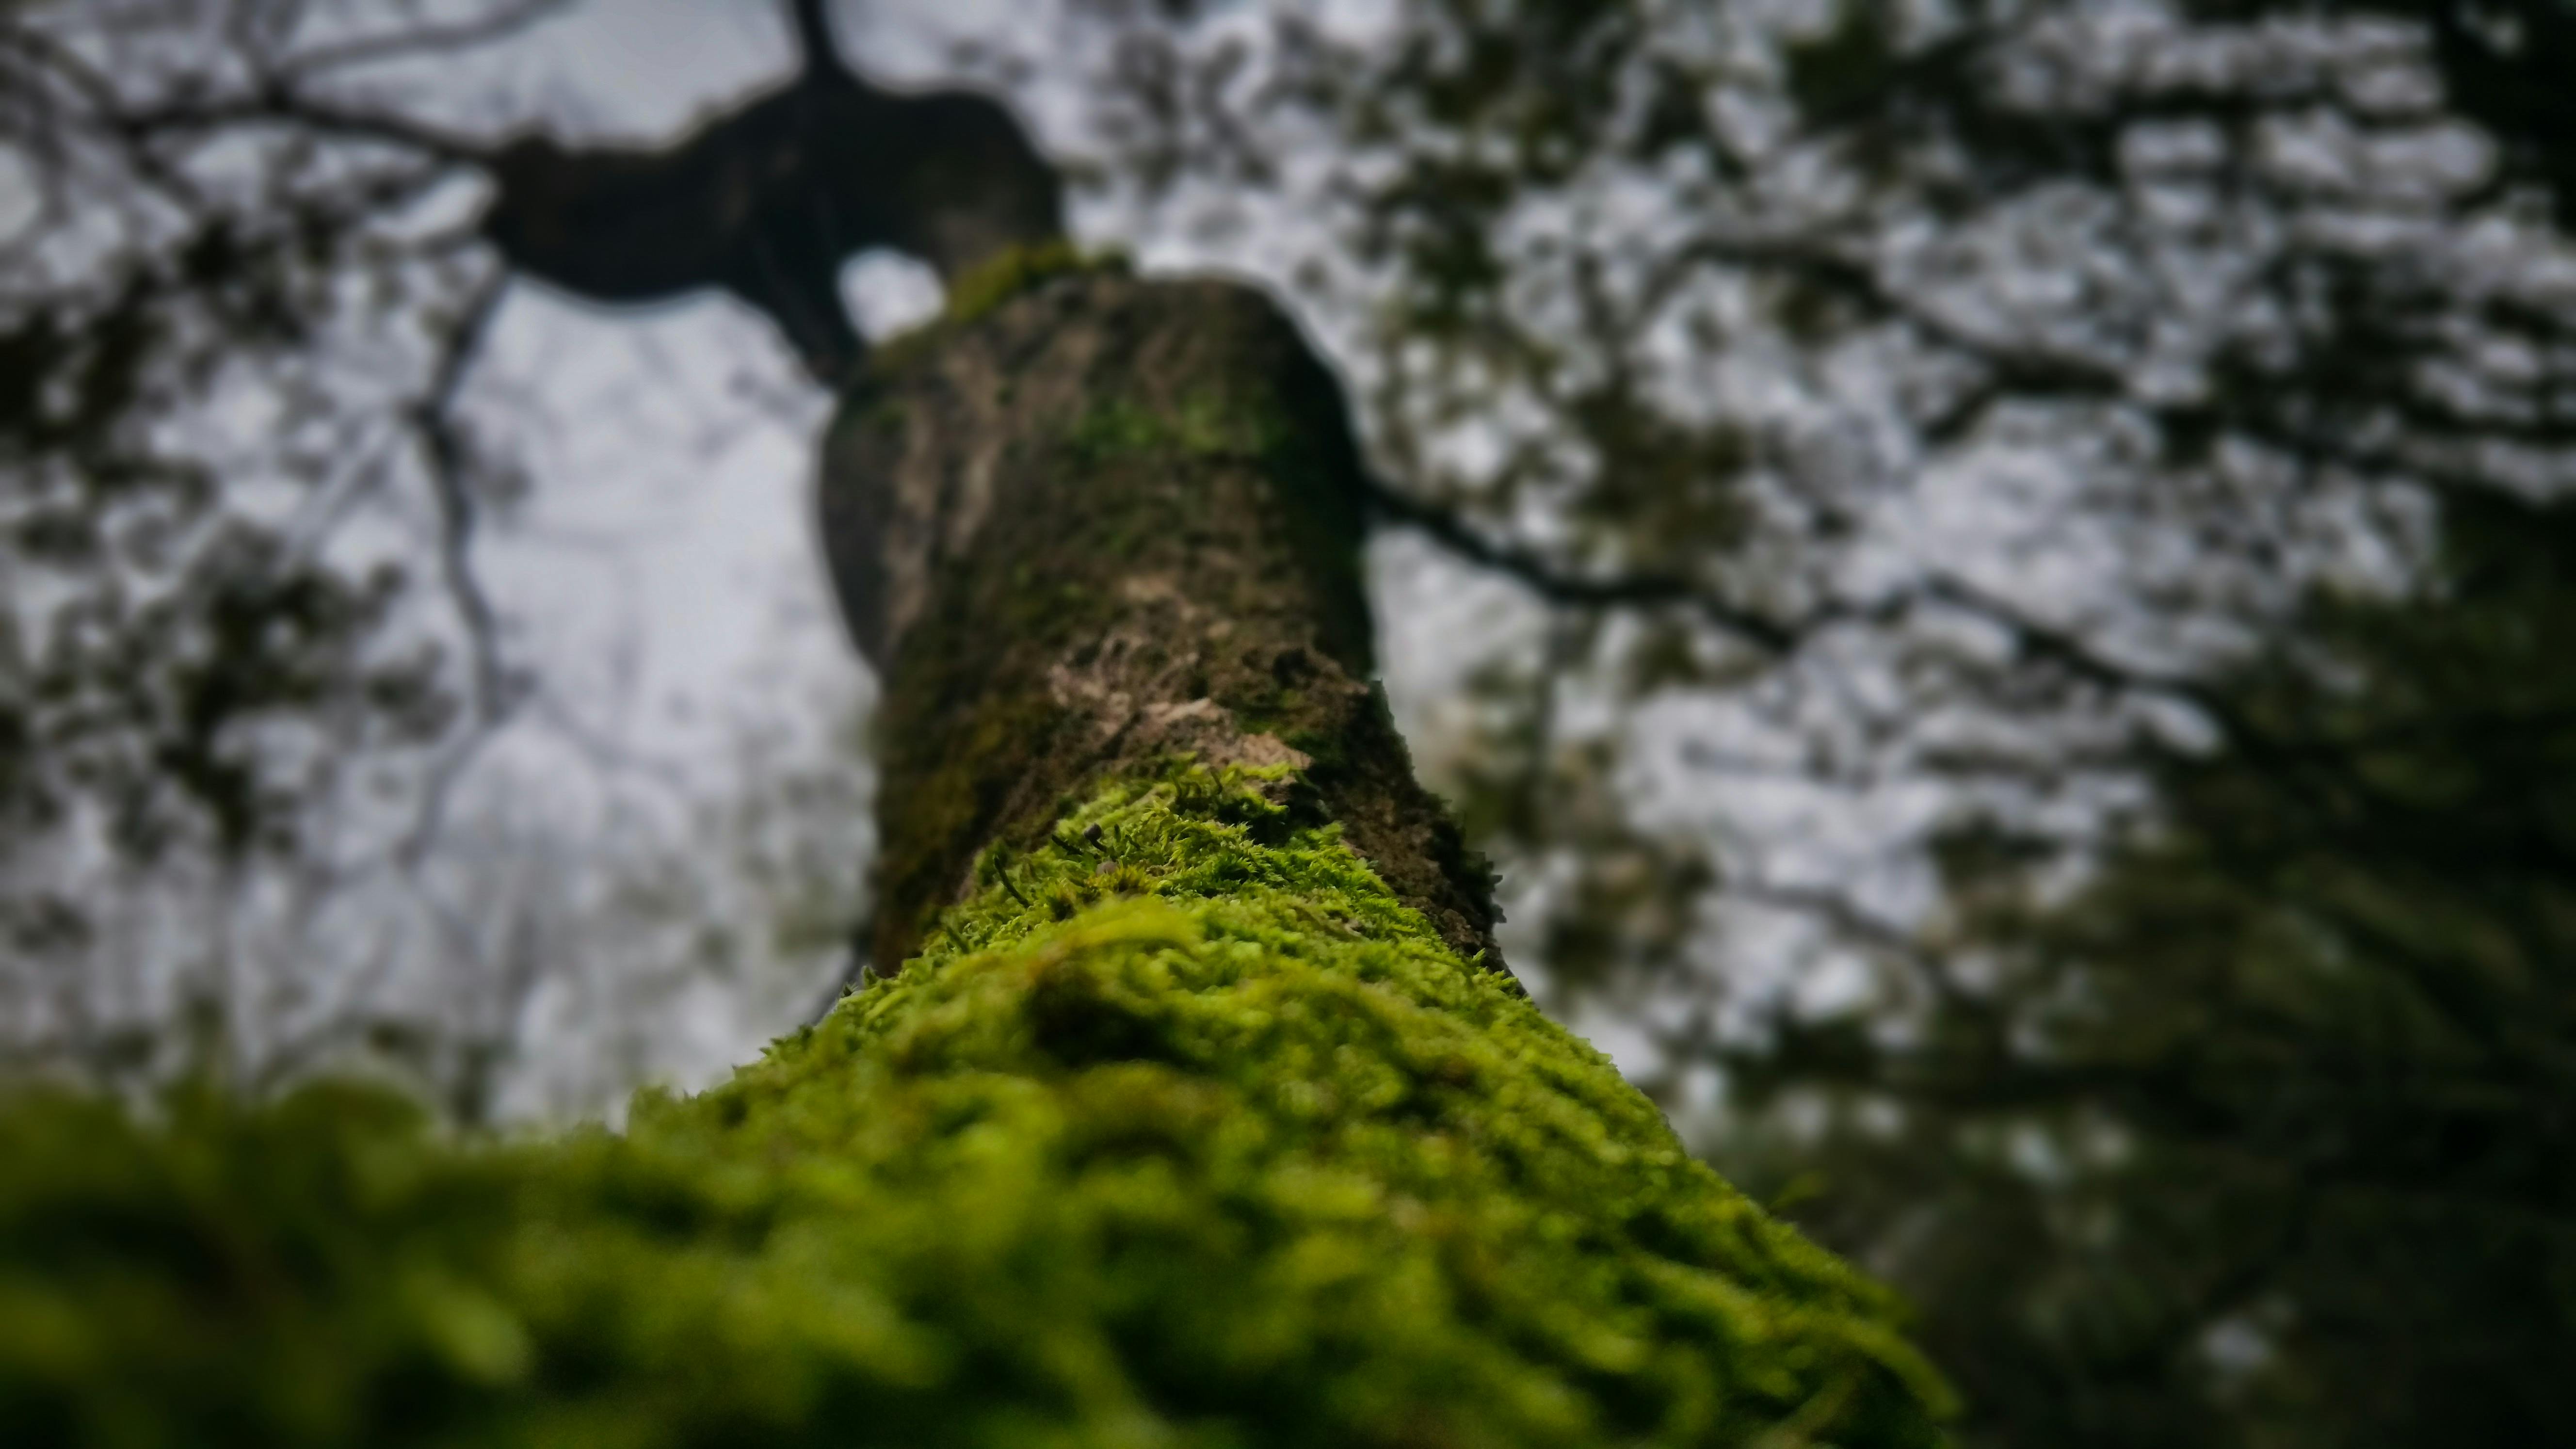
(1190, 1104)
(1098, 525)
(1189, 1107)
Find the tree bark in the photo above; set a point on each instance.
(1107, 523)
(1196, 1111)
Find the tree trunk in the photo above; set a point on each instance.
(1197, 1111)
(1103, 525)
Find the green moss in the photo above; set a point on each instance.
(1184, 1132)
(977, 291)
(947, 793)
(1202, 425)
(1013, 270)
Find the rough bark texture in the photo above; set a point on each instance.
(1103, 523)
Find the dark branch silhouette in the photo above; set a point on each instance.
(413, 41)
(445, 454)
(767, 202)
(1780, 636)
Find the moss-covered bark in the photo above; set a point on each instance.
(1195, 1119)
(1185, 1132)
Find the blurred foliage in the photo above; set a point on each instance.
(178, 627)
(1925, 393)
(1220, 1145)
(171, 603)
(2262, 1134)
(211, 654)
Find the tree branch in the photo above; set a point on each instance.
(1554, 584)
(443, 451)
(814, 44)
(768, 201)
(1781, 637)
(500, 24)
(765, 203)
(97, 93)
(281, 103)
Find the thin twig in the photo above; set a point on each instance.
(107, 111)
(433, 419)
(282, 102)
(1782, 637)
(500, 24)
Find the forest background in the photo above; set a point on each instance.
(1993, 576)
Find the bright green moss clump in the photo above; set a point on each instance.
(1182, 1132)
